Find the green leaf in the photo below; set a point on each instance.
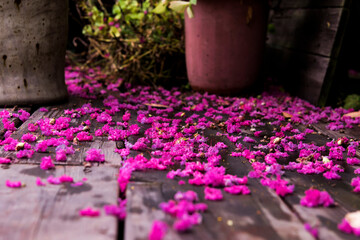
(94, 9)
(160, 8)
(137, 16)
(179, 6)
(114, 32)
(87, 30)
(190, 12)
(271, 28)
(117, 16)
(116, 10)
(193, 2)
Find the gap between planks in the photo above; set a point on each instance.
(262, 215)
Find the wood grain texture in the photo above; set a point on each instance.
(350, 133)
(142, 210)
(301, 74)
(16, 121)
(257, 216)
(308, 3)
(306, 30)
(262, 215)
(51, 212)
(81, 148)
(353, 133)
(324, 218)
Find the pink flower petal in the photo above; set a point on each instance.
(89, 212)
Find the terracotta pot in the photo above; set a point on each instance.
(33, 36)
(225, 43)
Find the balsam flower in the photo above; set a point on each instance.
(238, 189)
(158, 230)
(59, 180)
(315, 198)
(213, 194)
(84, 136)
(124, 178)
(312, 230)
(15, 184)
(28, 137)
(46, 163)
(89, 212)
(39, 182)
(5, 160)
(118, 211)
(61, 155)
(94, 155)
(25, 153)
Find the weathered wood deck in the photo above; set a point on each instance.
(52, 211)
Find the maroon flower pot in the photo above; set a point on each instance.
(225, 43)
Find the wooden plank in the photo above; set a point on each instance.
(259, 216)
(325, 218)
(342, 188)
(80, 148)
(236, 217)
(309, 28)
(301, 74)
(353, 133)
(111, 158)
(320, 138)
(16, 121)
(306, 30)
(51, 212)
(308, 3)
(142, 210)
(54, 112)
(262, 210)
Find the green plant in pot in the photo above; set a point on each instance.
(224, 42)
(129, 39)
(33, 37)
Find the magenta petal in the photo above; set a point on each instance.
(158, 230)
(94, 155)
(16, 184)
(89, 212)
(213, 194)
(46, 163)
(345, 227)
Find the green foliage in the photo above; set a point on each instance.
(182, 6)
(352, 101)
(140, 39)
(271, 28)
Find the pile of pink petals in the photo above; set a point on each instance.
(167, 130)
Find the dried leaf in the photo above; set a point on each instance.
(287, 115)
(249, 15)
(156, 105)
(352, 114)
